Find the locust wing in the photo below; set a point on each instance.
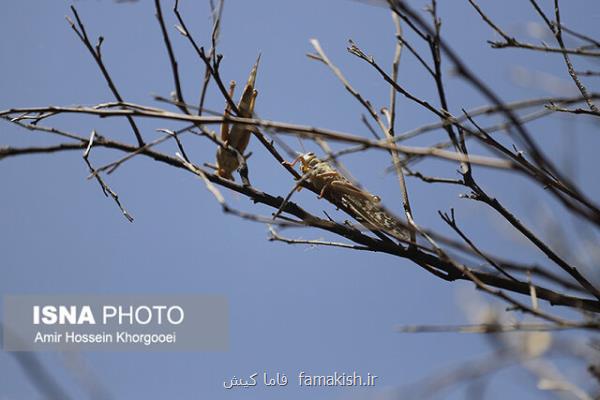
(373, 215)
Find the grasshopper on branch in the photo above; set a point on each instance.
(238, 135)
(364, 206)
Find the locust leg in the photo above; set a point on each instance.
(285, 201)
(227, 113)
(328, 183)
(245, 138)
(293, 163)
(253, 100)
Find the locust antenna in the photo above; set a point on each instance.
(301, 144)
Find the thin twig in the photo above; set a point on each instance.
(105, 188)
(172, 59)
(276, 237)
(97, 55)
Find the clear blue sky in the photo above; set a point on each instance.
(292, 308)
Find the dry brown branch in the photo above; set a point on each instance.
(302, 131)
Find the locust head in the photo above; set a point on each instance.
(308, 160)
